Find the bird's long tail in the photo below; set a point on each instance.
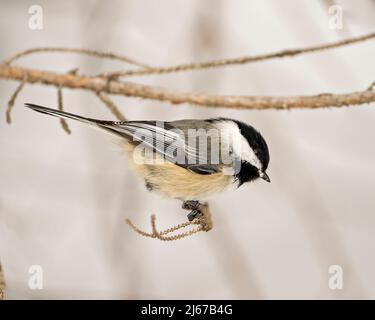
(108, 126)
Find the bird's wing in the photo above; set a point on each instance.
(168, 141)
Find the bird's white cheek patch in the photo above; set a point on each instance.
(231, 134)
(242, 149)
(249, 155)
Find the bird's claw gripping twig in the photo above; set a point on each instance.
(202, 220)
(193, 215)
(194, 206)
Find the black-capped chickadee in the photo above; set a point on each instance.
(187, 159)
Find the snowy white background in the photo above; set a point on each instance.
(63, 199)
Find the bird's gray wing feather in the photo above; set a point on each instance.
(171, 140)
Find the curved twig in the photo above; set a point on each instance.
(12, 100)
(162, 235)
(238, 61)
(2, 283)
(204, 223)
(94, 53)
(371, 87)
(60, 107)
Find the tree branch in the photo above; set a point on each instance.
(240, 60)
(203, 222)
(131, 89)
(94, 53)
(12, 100)
(2, 283)
(60, 106)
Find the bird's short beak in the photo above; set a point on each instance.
(264, 176)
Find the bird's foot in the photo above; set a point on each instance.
(195, 207)
(191, 205)
(194, 214)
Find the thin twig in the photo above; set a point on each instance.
(240, 60)
(111, 106)
(60, 106)
(162, 235)
(204, 223)
(2, 283)
(12, 100)
(371, 87)
(95, 53)
(73, 71)
(132, 89)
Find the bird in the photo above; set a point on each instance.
(188, 159)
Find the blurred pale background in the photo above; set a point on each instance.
(64, 199)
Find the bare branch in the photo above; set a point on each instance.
(94, 53)
(161, 235)
(12, 100)
(204, 223)
(240, 60)
(2, 283)
(60, 105)
(132, 89)
(111, 106)
(371, 87)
